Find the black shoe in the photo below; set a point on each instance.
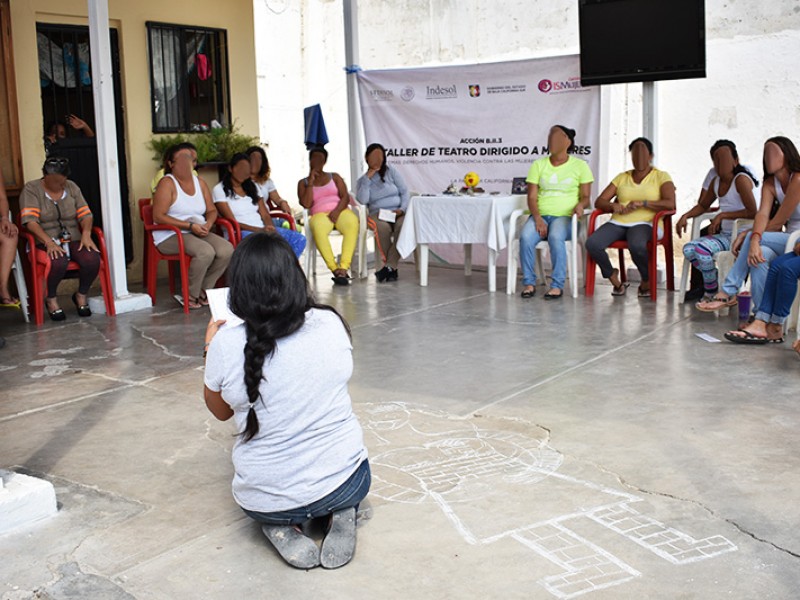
(694, 294)
(57, 315)
(392, 276)
(341, 280)
(382, 275)
(83, 309)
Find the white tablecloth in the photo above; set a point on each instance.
(458, 220)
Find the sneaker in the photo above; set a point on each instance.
(339, 544)
(295, 548)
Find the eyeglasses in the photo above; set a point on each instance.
(57, 161)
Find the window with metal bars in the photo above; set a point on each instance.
(188, 77)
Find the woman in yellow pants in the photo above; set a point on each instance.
(326, 196)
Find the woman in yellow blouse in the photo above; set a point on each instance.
(633, 198)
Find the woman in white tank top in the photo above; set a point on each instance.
(183, 200)
(781, 187)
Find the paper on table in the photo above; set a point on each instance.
(218, 303)
(708, 338)
(387, 215)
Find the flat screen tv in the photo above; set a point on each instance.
(641, 40)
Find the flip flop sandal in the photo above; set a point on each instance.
(716, 304)
(294, 547)
(339, 544)
(621, 290)
(642, 292)
(202, 299)
(529, 293)
(779, 340)
(193, 305)
(747, 338)
(10, 302)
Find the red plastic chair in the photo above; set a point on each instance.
(652, 247)
(278, 214)
(37, 269)
(152, 255)
(373, 227)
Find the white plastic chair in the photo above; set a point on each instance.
(361, 245)
(22, 288)
(518, 218)
(19, 279)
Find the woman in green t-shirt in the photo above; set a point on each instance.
(558, 186)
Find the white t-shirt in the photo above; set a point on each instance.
(242, 207)
(309, 441)
(265, 188)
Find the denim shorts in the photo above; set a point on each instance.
(347, 495)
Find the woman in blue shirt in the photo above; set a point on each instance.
(382, 188)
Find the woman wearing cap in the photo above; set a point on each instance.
(54, 211)
(558, 186)
(633, 198)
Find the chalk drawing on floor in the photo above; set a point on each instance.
(470, 471)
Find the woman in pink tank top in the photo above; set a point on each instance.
(327, 198)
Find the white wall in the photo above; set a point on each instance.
(751, 91)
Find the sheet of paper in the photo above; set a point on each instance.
(708, 338)
(218, 303)
(387, 215)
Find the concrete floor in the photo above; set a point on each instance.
(520, 449)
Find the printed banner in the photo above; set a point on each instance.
(440, 123)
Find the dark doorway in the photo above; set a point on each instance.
(66, 87)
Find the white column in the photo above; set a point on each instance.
(106, 136)
(353, 116)
(650, 113)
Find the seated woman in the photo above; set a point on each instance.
(283, 375)
(162, 171)
(183, 200)
(260, 173)
(8, 248)
(640, 193)
(54, 211)
(776, 302)
(558, 186)
(237, 199)
(781, 189)
(326, 196)
(382, 188)
(735, 202)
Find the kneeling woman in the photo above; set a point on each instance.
(282, 375)
(237, 199)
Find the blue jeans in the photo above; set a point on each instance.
(347, 495)
(559, 230)
(780, 289)
(773, 244)
(296, 240)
